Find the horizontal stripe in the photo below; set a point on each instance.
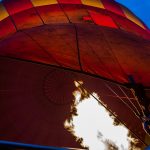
(50, 12)
(43, 2)
(94, 3)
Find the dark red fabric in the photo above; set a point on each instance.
(96, 56)
(39, 44)
(98, 50)
(28, 115)
(22, 46)
(38, 65)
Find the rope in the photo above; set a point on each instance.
(123, 101)
(137, 102)
(129, 100)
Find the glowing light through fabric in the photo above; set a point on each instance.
(93, 125)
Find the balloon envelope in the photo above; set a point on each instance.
(46, 45)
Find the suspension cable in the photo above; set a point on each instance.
(137, 101)
(123, 101)
(129, 100)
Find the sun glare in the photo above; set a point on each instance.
(92, 124)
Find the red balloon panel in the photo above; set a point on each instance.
(96, 56)
(52, 14)
(16, 6)
(131, 55)
(102, 19)
(6, 27)
(23, 47)
(27, 19)
(59, 42)
(46, 45)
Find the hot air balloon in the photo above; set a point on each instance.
(46, 45)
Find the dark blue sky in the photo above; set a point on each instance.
(139, 7)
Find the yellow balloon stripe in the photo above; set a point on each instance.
(94, 3)
(3, 12)
(132, 17)
(43, 2)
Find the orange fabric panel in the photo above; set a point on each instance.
(94, 3)
(52, 14)
(102, 19)
(3, 12)
(15, 6)
(43, 2)
(6, 27)
(27, 19)
(113, 7)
